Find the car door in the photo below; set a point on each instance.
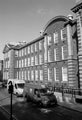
(37, 95)
(15, 88)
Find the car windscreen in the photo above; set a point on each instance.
(20, 85)
(45, 91)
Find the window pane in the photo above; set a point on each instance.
(41, 75)
(64, 52)
(16, 64)
(56, 54)
(49, 40)
(64, 74)
(36, 75)
(22, 75)
(56, 74)
(40, 58)
(16, 53)
(45, 49)
(28, 75)
(36, 47)
(19, 74)
(63, 34)
(28, 49)
(40, 45)
(29, 61)
(25, 51)
(25, 75)
(19, 63)
(36, 60)
(32, 60)
(19, 53)
(55, 37)
(49, 74)
(32, 75)
(32, 49)
(25, 62)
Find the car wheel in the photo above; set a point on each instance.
(28, 98)
(25, 98)
(17, 94)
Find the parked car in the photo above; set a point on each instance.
(4, 83)
(39, 94)
(18, 86)
(0, 84)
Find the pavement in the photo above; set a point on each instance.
(74, 106)
(2, 116)
(69, 101)
(5, 115)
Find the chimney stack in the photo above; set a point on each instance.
(41, 32)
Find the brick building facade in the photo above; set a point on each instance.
(78, 11)
(55, 57)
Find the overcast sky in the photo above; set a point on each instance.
(22, 20)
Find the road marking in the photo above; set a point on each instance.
(45, 110)
(8, 113)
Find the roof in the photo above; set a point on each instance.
(35, 40)
(60, 17)
(71, 22)
(10, 46)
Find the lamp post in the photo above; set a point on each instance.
(11, 92)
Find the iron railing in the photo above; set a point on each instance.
(72, 91)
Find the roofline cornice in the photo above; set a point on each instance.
(77, 7)
(71, 22)
(35, 40)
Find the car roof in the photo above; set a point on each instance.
(16, 80)
(35, 85)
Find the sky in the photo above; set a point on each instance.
(22, 20)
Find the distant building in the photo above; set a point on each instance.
(1, 70)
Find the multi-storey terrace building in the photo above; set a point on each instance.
(51, 58)
(1, 70)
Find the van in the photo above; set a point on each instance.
(18, 86)
(39, 94)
